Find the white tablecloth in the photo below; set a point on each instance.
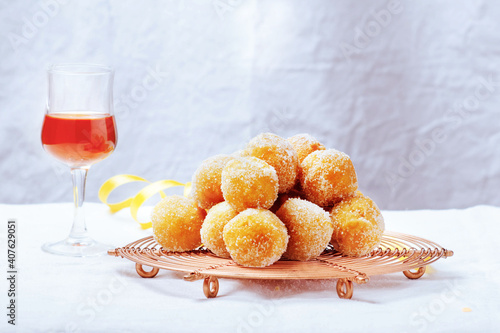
(59, 294)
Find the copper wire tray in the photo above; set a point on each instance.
(397, 253)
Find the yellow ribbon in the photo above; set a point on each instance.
(138, 199)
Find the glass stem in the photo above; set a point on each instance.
(79, 229)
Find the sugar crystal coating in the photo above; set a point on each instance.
(248, 182)
(279, 153)
(283, 197)
(309, 227)
(255, 238)
(358, 226)
(176, 223)
(328, 176)
(304, 144)
(211, 231)
(206, 182)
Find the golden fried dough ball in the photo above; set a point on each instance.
(211, 231)
(309, 227)
(206, 181)
(255, 238)
(279, 153)
(248, 182)
(328, 176)
(304, 144)
(176, 223)
(358, 226)
(283, 197)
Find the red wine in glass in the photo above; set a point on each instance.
(79, 139)
(79, 130)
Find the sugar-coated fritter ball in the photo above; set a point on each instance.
(309, 227)
(358, 226)
(176, 223)
(328, 176)
(279, 153)
(248, 182)
(206, 182)
(304, 144)
(211, 231)
(255, 238)
(240, 153)
(283, 197)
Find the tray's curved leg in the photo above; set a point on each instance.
(415, 275)
(210, 286)
(344, 292)
(144, 274)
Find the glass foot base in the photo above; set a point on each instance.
(86, 247)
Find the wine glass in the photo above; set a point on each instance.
(79, 130)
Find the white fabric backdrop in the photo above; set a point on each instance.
(409, 90)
